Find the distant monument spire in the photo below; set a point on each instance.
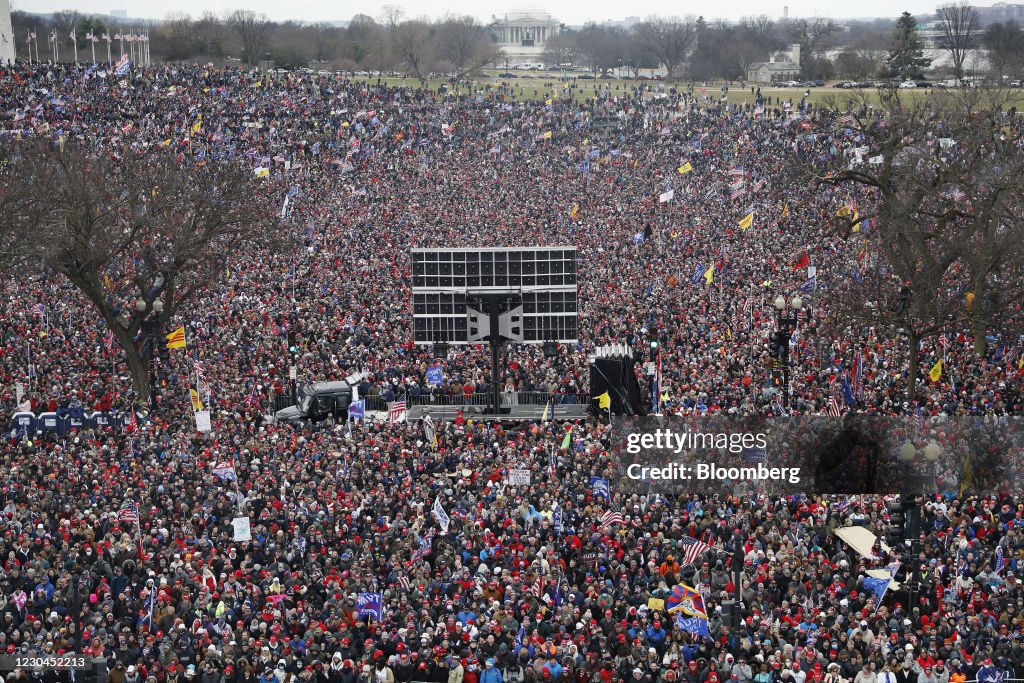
(6, 33)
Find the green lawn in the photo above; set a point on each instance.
(540, 85)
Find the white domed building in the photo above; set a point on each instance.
(522, 36)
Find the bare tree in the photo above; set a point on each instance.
(1005, 44)
(139, 237)
(959, 24)
(668, 39)
(252, 29)
(64, 21)
(412, 43)
(466, 45)
(814, 35)
(946, 242)
(366, 40)
(561, 50)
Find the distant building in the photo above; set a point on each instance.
(6, 33)
(783, 66)
(1000, 11)
(119, 13)
(521, 36)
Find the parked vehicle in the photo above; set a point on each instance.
(788, 84)
(318, 401)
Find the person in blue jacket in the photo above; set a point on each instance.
(490, 674)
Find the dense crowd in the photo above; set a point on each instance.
(337, 511)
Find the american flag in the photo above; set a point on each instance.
(133, 421)
(944, 341)
(110, 341)
(919, 419)
(858, 377)
(129, 512)
(736, 172)
(846, 121)
(693, 550)
(396, 413)
(200, 371)
(403, 582)
(38, 311)
(833, 409)
(609, 518)
(537, 589)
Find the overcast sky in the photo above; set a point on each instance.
(571, 12)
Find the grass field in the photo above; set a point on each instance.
(540, 85)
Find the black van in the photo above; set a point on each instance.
(318, 401)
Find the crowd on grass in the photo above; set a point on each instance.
(504, 595)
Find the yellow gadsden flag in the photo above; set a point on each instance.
(747, 220)
(604, 401)
(197, 404)
(709, 274)
(176, 339)
(936, 372)
(685, 168)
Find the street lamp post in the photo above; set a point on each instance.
(786, 326)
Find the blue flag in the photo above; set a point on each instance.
(848, 393)
(370, 605)
(693, 625)
(357, 411)
(435, 376)
(1000, 559)
(599, 487)
(877, 586)
(698, 274)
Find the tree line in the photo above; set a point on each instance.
(684, 47)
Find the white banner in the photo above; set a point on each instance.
(242, 531)
(203, 421)
(519, 477)
(440, 515)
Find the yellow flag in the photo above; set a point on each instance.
(1020, 362)
(110, 285)
(970, 301)
(747, 221)
(766, 283)
(197, 404)
(263, 172)
(547, 135)
(166, 143)
(785, 210)
(197, 126)
(843, 211)
(685, 168)
(968, 480)
(709, 275)
(604, 401)
(575, 212)
(936, 372)
(547, 101)
(176, 339)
